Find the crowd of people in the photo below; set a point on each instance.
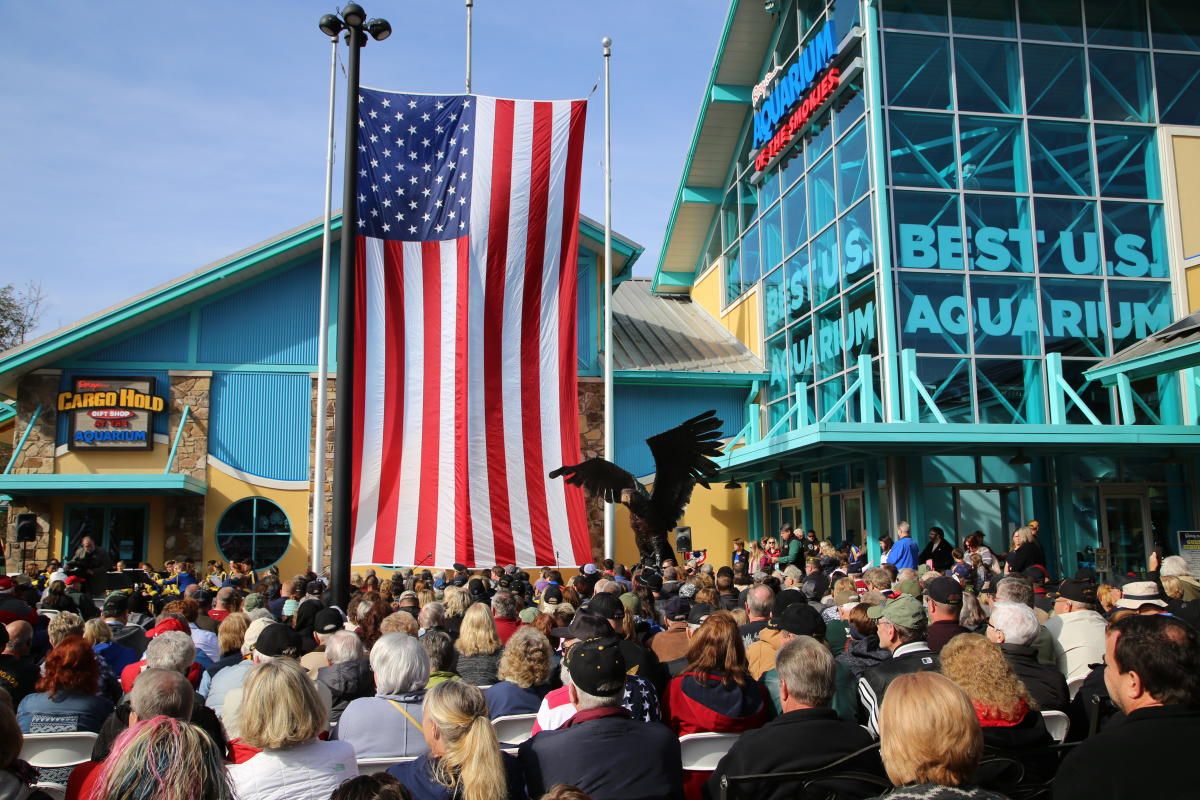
(914, 678)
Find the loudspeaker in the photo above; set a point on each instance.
(683, 538)
(27, 527)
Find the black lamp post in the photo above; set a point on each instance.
(353, 21)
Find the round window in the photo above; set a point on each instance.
(254, 530)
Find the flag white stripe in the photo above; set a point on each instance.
(448, 434)
(514, 284)
(413, 408)
(374, 405)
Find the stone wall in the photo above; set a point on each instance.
(19, 553)
(591, 443)
(191, 390)
(37, 389)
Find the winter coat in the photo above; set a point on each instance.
(347, 682)
(417, 777)
(1046, 685)
(66, 712)
(306, 772)
(506, 698)
(478, 670)
(760, 656)
(378, 729)
(862, 655)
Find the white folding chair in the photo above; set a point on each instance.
(1057, 723)
(514, 728)
(48, 613)
(56, 750)
(1074, 684)
(703, 751)
(371, 766)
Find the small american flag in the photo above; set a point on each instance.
(465, 362)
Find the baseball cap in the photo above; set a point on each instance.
(584, 625)
(6, 584)
(588, 569)
(698, 613)
(251, 640)
(1078, 591)
(1140, 593)
(597, 667)
(793, 572)
(904, 611)
(476, 588)
(676, 609)
(314, 587)
(786, 598)
(168, 624)
(607, 605)
(58, 576)
(528, 615)
(910, 587)
(408, 595)
(278, 640)
(944, 590)
(552, 595)
(253, 600)
(459, 567)
(800, 619)
(651, 578)
(327, 620)
(115, 604)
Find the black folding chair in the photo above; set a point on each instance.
(832, 781)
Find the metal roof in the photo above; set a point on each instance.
(1175, 347)
(655, 334)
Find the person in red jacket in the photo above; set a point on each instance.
(715, 692)
(13, 608)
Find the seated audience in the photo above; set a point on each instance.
(348, 676)
(281, 716)
(231, 635)
(901, 624)
(715, 693)
(18, 669)
(524, 675)
(326, 622)
(1015, 628)
(162, 757)
(229, 678)
(17, 777)
(388, 725)
(440, 649)
(66, 699)
(478, 647)
(97, 633)
(930, 740)
(943, 604)
(1077, 629)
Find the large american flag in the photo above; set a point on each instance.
(465, 362)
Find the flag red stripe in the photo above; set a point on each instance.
(531, 334)
(431, 417)
(567, 321)
(360, 359)
(464, 544)
(493, 325)
(393, 420)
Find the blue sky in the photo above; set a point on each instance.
(141, 141)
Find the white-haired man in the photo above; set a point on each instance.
(1015, 628)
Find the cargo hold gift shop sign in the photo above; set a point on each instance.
(111, 413)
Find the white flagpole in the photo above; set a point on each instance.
(319, 444)
(470, 6)
(609, 433)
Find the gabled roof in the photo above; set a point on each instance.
(217, 277)
(1175, 347)
(670, 337)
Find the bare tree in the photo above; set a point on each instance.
(20, 308)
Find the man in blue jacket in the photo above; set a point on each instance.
(601, 749)
(903, 554)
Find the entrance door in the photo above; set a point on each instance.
(119, 529)
(1125, 532)
(994, 510)
(852, 518)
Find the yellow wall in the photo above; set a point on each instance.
(103, 462)
(1187, 182)
(225, 490)
(740, 319)
(716, 516)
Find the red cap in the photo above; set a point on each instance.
(169, 624)
(74, 579)
(6, 583)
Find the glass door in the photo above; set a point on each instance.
(119, 529)
(852, 518)
(1125, 533)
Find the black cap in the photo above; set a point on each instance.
(327, 620)
(944, 590)
(584, 625)
(115, 605)
(677, 609)
(278, 640)
(314, 588)
(786, 598)
(597, 667)
(652, 579)
(477, 588)
(606, 605)
(460, 568)
(699, 613)
(1078, 591)
(552, 595)
(800, 619)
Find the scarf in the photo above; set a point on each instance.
(992, 717)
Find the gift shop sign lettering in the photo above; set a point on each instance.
(783, 111)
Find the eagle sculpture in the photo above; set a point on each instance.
(683, 457)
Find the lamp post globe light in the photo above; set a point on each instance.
(354, 23)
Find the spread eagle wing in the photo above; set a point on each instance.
(683, 457)
(599, 477)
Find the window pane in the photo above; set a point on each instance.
(1127, 161)
(799, 293)
(917, 15)
(1093, 395)
(1176, 24)
(1054, 22)
(255, 530)
(795, 217)
(922, 150)
(780, 374)
(993, 154)
(729, 218)
(918, 70)
(828, 394)
(1006, 316)
(984, 17)
(1067, 239)
(1178, 80)
(1121, 23)
(749, 198)
(1008, 390)
(989, 77)
(772, 238)
(238, 519)
(1137, 310)
(1054, 81)
(825, 266)
(1121, 86)
(933, 313)
(768, 190)
(928, 230)
(733, 278)
(854, 178)
(851, 112)
(822, 204)
(821, 141)
(751, 258)
(1134, 240)
(1060, 158)
(845, 16)
(792, 167)
(999, 233)
(1073, 317)
(774, 301)
(829, 341)
(948, 381)
(801, 343)
(859, 321)
(858, 256)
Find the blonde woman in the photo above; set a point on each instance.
(478, 646)
(97, 633)
(464, 759)
(282, 715)
(524, 674)
(1026, 552)
(930, 740)
(457, 601)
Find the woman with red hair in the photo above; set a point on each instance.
(66, 699)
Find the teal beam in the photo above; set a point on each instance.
(755, 422)
(754, 512)
(1054, 382)
(682, 280)
(37, 412)
(866, 391)
(1191, 396)
(845, 398)
(702, 195)
(910, 411)
(802, 405)
(682, 378)
(51, 484)
(728, 93)
(1125, 398)
(175, 442)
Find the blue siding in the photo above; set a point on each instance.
(260, 423)
(642, 411)
(273, 321)
(167, 341)
(162, 387)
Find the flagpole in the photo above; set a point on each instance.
(609, 434)
(319, 444)
(470, 6)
